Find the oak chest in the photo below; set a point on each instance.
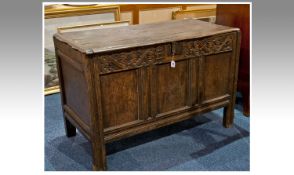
(123, 81)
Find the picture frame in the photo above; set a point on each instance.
(58, 15)
(67, 10)
(92, 26)
(208, 15)
(158, 14)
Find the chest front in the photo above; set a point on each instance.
(146, 84)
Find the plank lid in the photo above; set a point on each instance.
(117, 38)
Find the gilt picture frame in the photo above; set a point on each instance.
(202, 14)
(92, 26)
(58, 16)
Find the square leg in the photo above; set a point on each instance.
(228, 116)
(246, 102)
(99, 157)
(70, 129)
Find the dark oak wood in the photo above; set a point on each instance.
(116, 83)
(238, 15)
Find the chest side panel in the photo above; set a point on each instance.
(73, 84)
(75, 91)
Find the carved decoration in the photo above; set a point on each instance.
(208, 46)
(145, 56)
(131, 59)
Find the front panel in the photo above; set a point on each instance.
(120, 97)
(172, 86)
(216, 70)
(139, 85)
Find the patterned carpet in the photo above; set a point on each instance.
(199, 144)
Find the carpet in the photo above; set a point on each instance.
(198, 144)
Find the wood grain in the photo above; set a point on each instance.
(120, 98)
(140, 35)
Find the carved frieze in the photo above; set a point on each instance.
(152, 55)
(130, 59)
(208, 46)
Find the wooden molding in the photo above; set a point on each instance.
(208, 12)
(59, 10)
(136, 8)
(52, 90)
(60, 29)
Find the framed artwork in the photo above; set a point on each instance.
(148, 13)
(157, 15)
(92, 26)
(207, 15)
(57, 16)
(67, 10)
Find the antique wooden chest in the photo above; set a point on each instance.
(123, 81)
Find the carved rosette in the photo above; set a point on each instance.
(208, 46)
(130, 59)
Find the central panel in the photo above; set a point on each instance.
(172, 86)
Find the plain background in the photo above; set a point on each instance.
(22, 99)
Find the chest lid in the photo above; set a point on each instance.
(109, 39)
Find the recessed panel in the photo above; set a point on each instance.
(119, 93)
(172, 86)
(216, 69)
(76, 96)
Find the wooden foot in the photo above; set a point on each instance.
(70, 130)
(244, 88)
(246, 102)
(99, 157)
(96, 168)
(228, 118)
